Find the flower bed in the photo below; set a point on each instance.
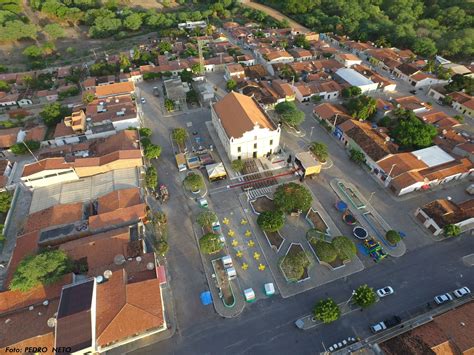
(295, 264)
(316, 221)
(262, 204)
(275, 239)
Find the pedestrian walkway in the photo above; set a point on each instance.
(256, 193)
(367, 216)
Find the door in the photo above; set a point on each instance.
(254, 154)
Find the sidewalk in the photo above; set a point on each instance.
(362, 214)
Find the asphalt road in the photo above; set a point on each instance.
(427, 269)
(267, 326)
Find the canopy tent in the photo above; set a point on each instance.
(341, 206)
(206, 298)
(216, 171)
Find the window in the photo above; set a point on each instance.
(255, 146)
(239, 149)
(271, 142)
(239, 157)
(255, 138)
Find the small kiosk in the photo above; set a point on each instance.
(309, 165)
(249, 295)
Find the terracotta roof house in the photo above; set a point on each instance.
(463, 103)
(283, 89)
(333, 114)
(439, 213)
(36, 134)
(115, 89)
(405, 71)
(374, 143)
(9, 137)
(421, 170)
(447, 334)
(411, 103)
(347, 59)
(439, 119)
(234, 71)
(236, 118)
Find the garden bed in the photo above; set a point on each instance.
(294, 260)
(262, 204)
(227, 294)
(316, 221)
(275, 239)
(335, 264)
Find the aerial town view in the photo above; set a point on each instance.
(274, 177)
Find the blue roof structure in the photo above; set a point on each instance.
(206, 298)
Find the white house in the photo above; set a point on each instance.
(348, 60)
(244, 128)
(354, 78)
(421, 79)
(24, 102)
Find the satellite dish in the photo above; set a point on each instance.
(119, 259)
(150, 266)
(45, 303)
(99, 279)
(138, 259)
(107, 274)
(51, 322)
(30, 308)
(7, 321)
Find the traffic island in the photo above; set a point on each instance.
(223, 277)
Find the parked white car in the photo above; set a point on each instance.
(143, 100)
(386, 291)
(460, 292)
(440, 299)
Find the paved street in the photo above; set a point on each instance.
(267, 326)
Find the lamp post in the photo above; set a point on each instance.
(335, 119)
(28, 148)
(387, 181)
(311, 133)
(371, 195)
(352, 295)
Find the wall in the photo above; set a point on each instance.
(259, 136)
(124, 124)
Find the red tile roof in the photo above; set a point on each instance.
(119, 199)
(115, 89)
(118, 217)
(8, 137)
(36, 134)
(45, 164)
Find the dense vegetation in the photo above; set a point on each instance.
(426, 26)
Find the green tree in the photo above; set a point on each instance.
(197, 68)
(364, 296)
(362, 107)
(301, 41)
(5, 201)
(53, 113)
(425, 47)
(451, 230)
(162, 247)
(393, 236)
(54, 31)
(206, 218)
(145, 132)
(33, 52)
(357, 156)
(210, 243)
(4, 86)
(294, 265)
(289, 113)
(458, 118)
(164, 46)
(44, 268)
(179, 135)
(238, 165)
(345, 247)
(152, 151)
(231, 85)
(292, 197)
(325, 251)
(351, 91)
(88, 97)
(320, 150)
(124, 62)
(459, 83)
(133, 22)
(327, 311)
(21, 149)
(15, 30)
(169, 105)
(271, 221)
(192, 96)
(410, 132)
(193, 182)
(151, 178)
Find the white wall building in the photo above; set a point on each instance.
(356, 79)
(244, 128)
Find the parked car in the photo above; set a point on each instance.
(440, 299)
(143, 100)
(460, 292)
(413, 92)
(386, 291)
(388, 323)
(156, 92)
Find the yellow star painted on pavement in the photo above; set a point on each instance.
(245, 266)
(251, 243)
(248, 233)
(225, 221)
(256, 256)
(261, 267)
(235, 243)
(239, 254)
(243, 221)
(231, 233)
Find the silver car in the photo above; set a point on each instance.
(460, 292)
(440, 299)
(386, 291)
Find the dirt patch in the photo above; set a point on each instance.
(262, 204)
(317, 221)
(275, 239)
(224, 284)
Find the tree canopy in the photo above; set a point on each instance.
(206, 218)
(362, 107)
(410, 132)
(210, 243)
(53, 113)
(20, 148)
(320, 150)
(43, 268)
(393, 236)
(292, 197)
(289, 113)
(271, 221)
(179, 135)
(193, 182)
(451, 230)
(364, 296)
(327, 311)
(5, 201)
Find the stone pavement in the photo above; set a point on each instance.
(361, 216)
(294, 231)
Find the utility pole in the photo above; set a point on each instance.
(26, 146)
(201, 58)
